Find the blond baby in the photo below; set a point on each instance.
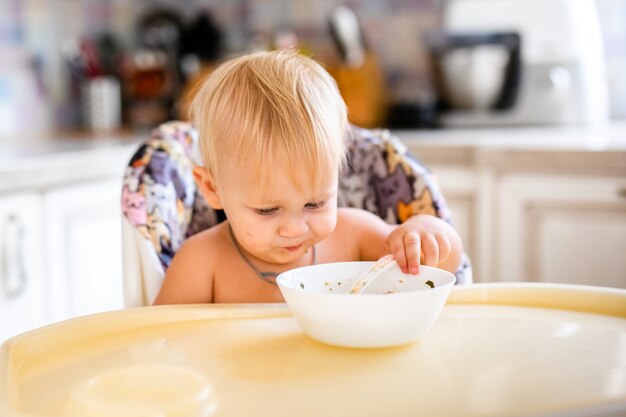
(272, 131)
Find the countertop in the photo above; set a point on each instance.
(608, 137)
(595, 149)
(60, 158)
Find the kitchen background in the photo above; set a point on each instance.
(532, 203)
(42, 41)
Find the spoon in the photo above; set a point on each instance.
(382, 265)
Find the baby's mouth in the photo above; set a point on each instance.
(293, 248)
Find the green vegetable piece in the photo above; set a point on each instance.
(302, 285)
(430, 284)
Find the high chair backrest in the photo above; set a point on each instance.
(162, 206)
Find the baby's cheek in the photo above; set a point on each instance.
(325, 225)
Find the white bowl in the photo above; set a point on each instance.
(395, 309)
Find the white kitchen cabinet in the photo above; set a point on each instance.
(23, 298)
(60, 199)
(545, 205)
(459, 187)
(83, 243)
(560, 228)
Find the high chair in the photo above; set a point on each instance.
(162, 207)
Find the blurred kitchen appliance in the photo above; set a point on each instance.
(155, 81)
(23, 104)
(519, 62)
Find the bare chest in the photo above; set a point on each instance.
(236, 282)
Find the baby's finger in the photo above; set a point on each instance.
(445, 247)
(396, 247)
(412, 248)
(431, 250)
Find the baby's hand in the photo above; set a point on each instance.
(422, 236)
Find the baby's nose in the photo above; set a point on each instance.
(293, 226)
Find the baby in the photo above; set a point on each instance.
(272, 135)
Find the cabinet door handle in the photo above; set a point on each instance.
(14, 276)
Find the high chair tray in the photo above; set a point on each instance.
(496, 350)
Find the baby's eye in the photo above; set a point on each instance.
(315, 205)
(266, 211)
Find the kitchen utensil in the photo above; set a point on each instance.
(358, 72)
(379, 267)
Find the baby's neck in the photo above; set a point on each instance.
(268, 276)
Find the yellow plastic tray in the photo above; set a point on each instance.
(496, 350)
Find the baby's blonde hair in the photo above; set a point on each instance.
(271, 110)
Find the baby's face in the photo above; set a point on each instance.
(280, 222)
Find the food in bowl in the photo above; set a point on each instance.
(395, 309)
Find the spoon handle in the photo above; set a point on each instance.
(380, 266)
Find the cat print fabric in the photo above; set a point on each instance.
(383, 177)
(160, 198)
(159, 195)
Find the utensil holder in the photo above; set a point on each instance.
(101, 103)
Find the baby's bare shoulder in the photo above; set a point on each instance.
(203, 244)
(189, 278)
(360, 224)
(365, 230)
(359, 218)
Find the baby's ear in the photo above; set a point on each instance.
(206, 185)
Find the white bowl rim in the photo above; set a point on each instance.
(443, 287)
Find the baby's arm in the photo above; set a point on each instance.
(421, 236)
(189, 279)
